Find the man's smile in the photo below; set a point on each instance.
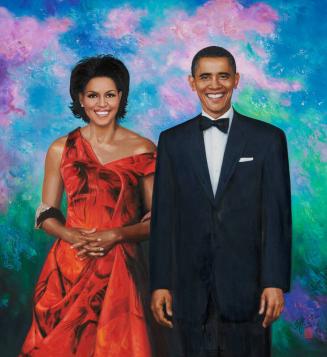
(214, 95)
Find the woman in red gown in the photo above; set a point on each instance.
(90, 299)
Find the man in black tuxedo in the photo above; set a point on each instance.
(221, 223)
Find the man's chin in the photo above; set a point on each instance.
(215, 113)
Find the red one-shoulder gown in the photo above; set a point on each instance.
(93, 307)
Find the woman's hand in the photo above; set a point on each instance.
(97, 244)
(76, 235)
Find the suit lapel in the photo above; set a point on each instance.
(198, 156)
(234, 148)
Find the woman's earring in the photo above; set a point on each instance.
(82, 105)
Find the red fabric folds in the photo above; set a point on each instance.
(93, 307)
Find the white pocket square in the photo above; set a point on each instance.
(243, 159)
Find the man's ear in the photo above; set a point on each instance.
(191, 82)
(237, 79)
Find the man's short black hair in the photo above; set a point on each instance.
(98, 66)
(213, 51)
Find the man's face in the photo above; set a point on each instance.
(214, 82)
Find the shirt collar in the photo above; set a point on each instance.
(229, 114)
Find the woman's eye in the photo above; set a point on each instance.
(111, 95)
(92, 96)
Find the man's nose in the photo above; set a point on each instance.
(215, 83)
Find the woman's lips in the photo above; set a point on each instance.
(102, 113)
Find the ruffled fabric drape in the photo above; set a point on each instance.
(94, 307)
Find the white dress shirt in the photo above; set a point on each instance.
(215, 144)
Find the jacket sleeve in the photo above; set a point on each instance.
(162, 221)
(277, 217)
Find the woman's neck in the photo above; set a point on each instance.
(101, 135)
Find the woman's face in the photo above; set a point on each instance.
(100, 100)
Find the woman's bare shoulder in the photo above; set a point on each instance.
(138, 143)
(144, 145)
(57, 147)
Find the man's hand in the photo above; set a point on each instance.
(161, 304)
(272, 303)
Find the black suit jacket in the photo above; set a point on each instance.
(235, 242)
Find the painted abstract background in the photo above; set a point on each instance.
(280, 50)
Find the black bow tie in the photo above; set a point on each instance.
(221, 124)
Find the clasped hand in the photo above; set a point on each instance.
(92, 243)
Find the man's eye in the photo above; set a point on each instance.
(224, 76)
(204, 77)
